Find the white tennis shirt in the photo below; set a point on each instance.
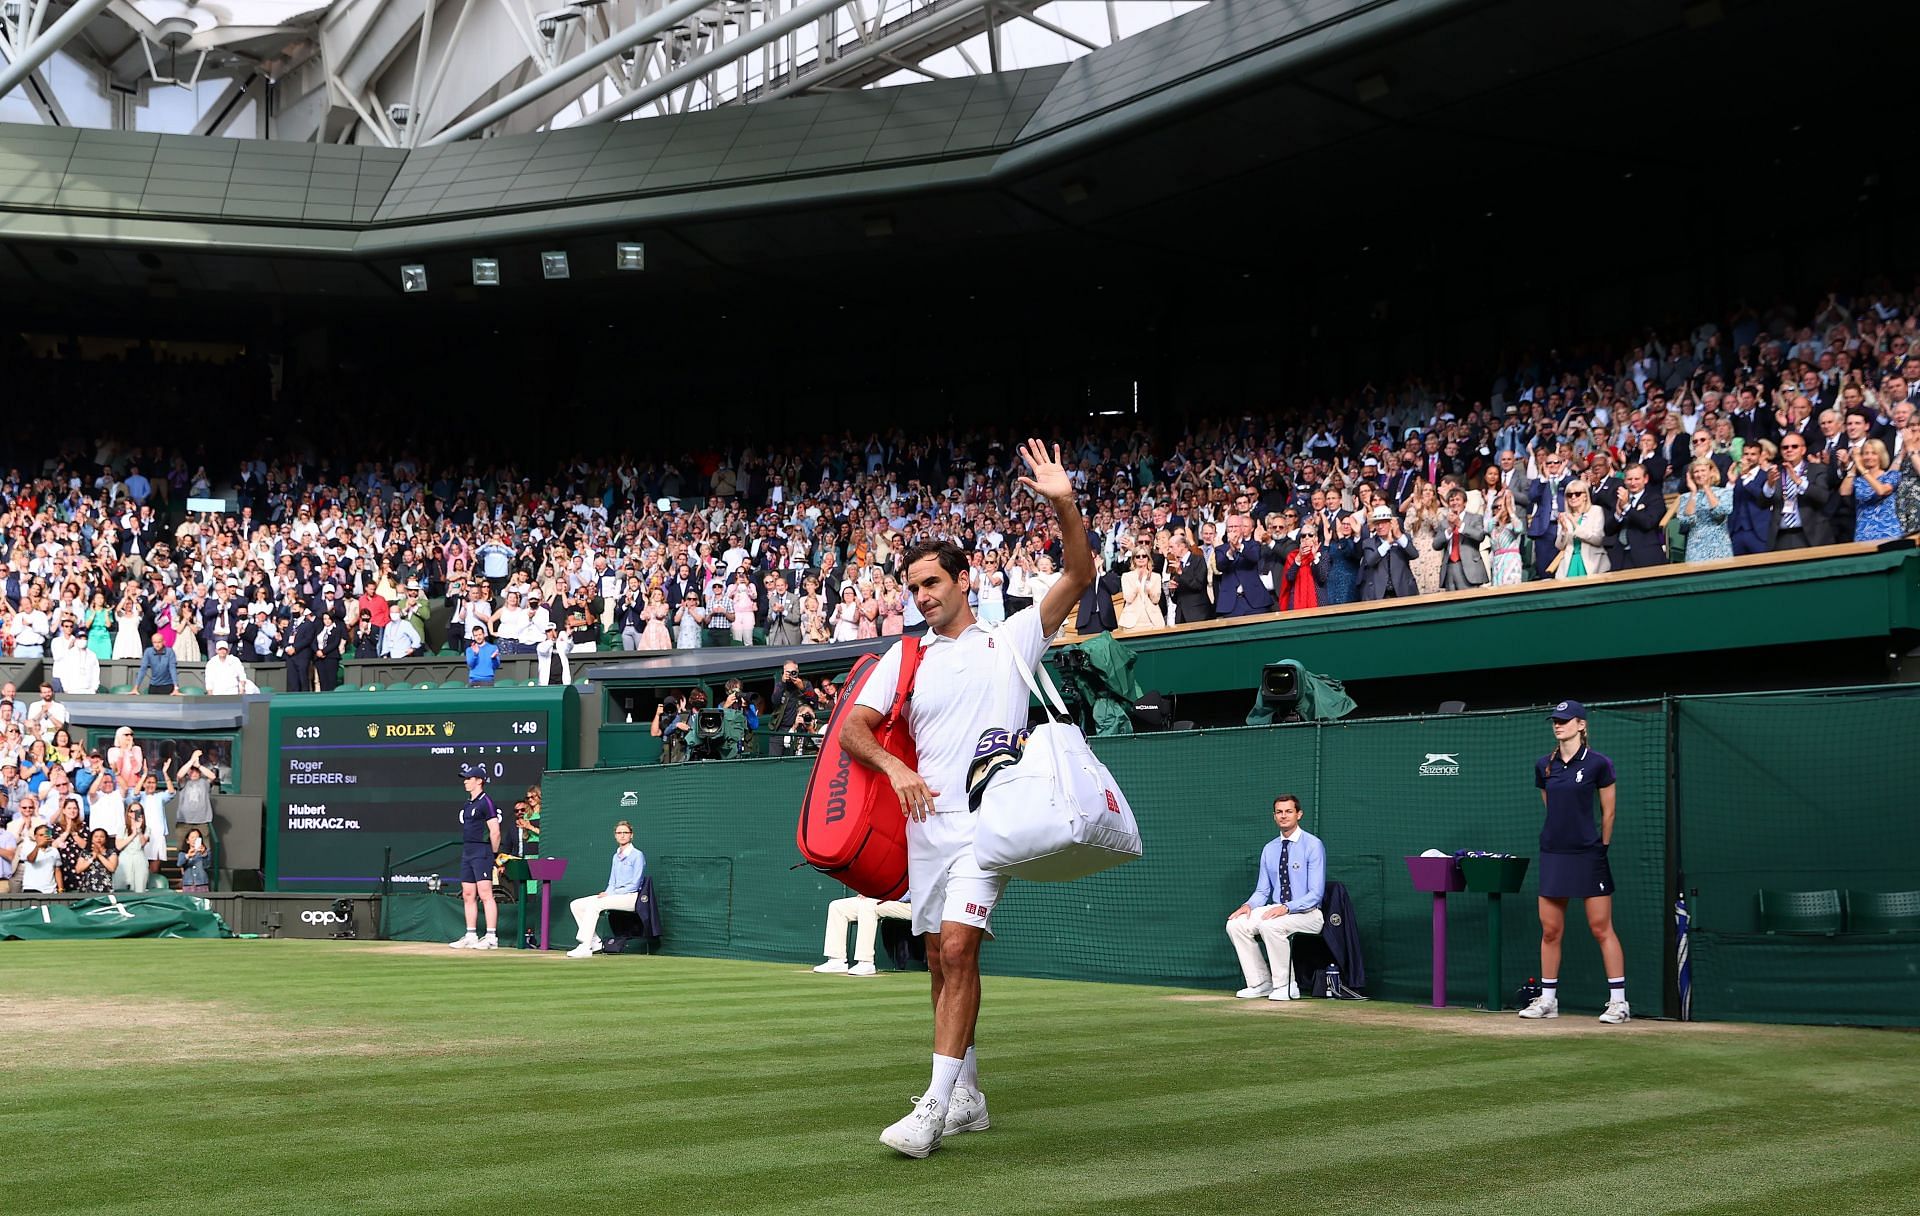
(965, 686)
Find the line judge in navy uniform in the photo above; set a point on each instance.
(1286, 901)
(479, 842)
(1573, 859)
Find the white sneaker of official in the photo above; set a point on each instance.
(1543, 1006)
(967, 1112)
(1617, 1013)
(863, 970)
(1254, 992)
(583, 950)
(833, 966)
(918, 1134)
(468, 942)
(489, 942)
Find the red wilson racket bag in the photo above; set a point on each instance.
(851, 827)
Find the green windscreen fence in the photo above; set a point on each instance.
(1788, 792)
(1800, 793)
(719, 843)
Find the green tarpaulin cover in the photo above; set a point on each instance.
(164, 914)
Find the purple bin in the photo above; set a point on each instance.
(1438, 875)
(546, 871)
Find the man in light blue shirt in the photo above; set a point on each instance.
(1286, 901)
(496, 562)
(623, 891)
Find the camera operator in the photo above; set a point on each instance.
(791, 697)
(805, 741)
(672, 723)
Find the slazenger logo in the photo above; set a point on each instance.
(629, 798)
(1113, 804)
(322, 918)
(1440, 764)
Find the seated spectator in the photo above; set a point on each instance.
(1286, 900)
(621, 893)
(10, 848)
(866, 914)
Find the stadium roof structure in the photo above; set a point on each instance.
(1313, 116)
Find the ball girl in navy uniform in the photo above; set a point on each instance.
(479, 842)
(1573, 860)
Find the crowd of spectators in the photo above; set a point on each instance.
(76, 816)
(1749, 434)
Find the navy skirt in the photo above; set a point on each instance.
(1583, 875)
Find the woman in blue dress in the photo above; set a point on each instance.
(1337, 568)
(1703, 514)
(1871, 485)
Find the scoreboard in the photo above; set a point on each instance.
(351, 786)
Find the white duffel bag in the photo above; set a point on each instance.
(1057, 814)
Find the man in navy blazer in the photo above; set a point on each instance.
(1637, 511)
(1547, 498)
(1240, 591)
(1756, 500)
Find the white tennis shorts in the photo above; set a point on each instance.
(944, 882)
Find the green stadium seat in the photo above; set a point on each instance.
(189, 690)
(1810, 912)
(426, 684)
(157, 882)
(343, 686)
(455, 682)
(370, 687)
(121, 690)
(1883, 911)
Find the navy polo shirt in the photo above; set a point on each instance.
(474, 814)
(1570, 786)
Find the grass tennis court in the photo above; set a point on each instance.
(309, 1077)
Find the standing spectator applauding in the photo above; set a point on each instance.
(1582, 532)
(483, 659)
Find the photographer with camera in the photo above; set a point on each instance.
(792, 697)
(672, 724)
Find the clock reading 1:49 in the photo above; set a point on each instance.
(528, 727)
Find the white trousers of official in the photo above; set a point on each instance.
(864, 912)
(587, 910)
(1245, 932)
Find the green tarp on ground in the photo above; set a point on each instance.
(167, 914)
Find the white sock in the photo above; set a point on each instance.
(1617, 990)
(1551, 990)
(970, 1071)
(946, 1070)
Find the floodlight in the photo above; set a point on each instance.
(629, 255)
(486, 272)
(553, 264)
(413, 278)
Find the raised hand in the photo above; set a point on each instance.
(1048, 477)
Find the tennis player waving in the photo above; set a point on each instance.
(967, 684)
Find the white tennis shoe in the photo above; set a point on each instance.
(469, 942)
(1255, 992)
(1543, 1006)
(1617, 1013)
(583, 950)
(918, 1134)
(833, 966)
(967, 1112)
(863, 970)
(489, 942)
